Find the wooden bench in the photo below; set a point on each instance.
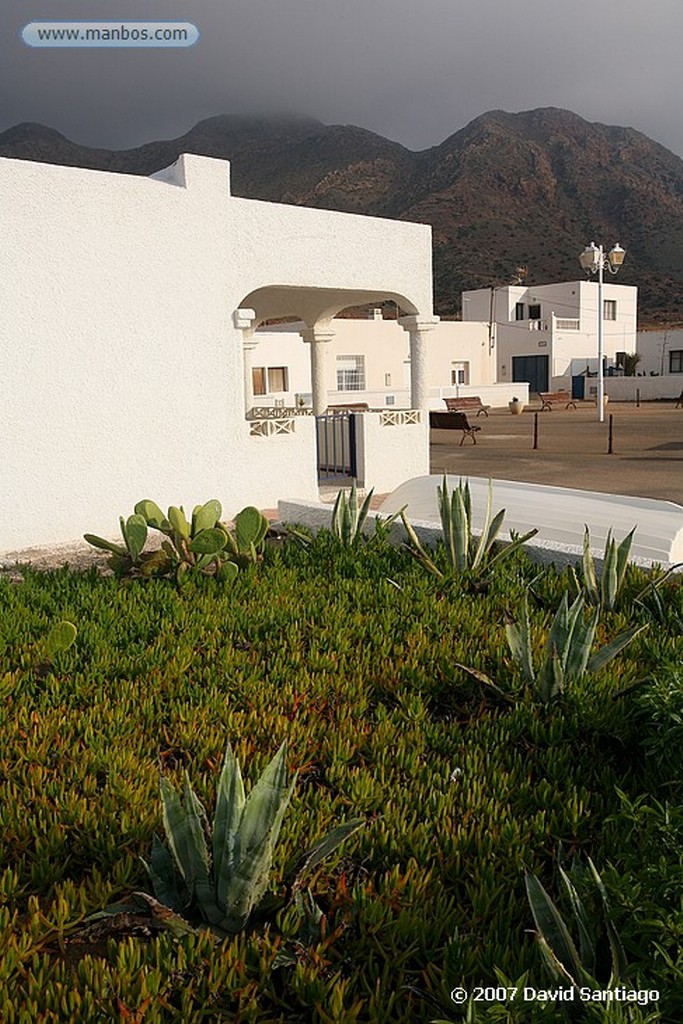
(349, 407)
(548, 397)
(454, 421)
(470, 404)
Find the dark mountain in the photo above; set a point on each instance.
(508, 189)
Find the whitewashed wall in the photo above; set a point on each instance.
(654, 348)
(388, 450)
(385, 348)
(121, 372)
(624, 389)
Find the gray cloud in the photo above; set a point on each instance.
(415, 72)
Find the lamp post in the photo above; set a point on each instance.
(594, 261)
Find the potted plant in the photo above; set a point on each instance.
(516, 407)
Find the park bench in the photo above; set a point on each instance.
(454, 421)
(548, 397)
(470, 404)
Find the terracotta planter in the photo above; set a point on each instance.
(516, 408)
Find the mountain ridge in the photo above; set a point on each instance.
(527, 188)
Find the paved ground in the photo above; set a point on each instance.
(647, 458)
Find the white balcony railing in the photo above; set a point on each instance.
(565, 324)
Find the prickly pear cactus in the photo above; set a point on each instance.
(250, 529)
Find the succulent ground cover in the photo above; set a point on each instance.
(350, 655)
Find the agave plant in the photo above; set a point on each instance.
(220, 873)
(566, 964)
(568, 648)
(348, 519)
(463, 550)
(605, 592)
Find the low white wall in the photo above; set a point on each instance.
(495, 395)
(623, 389)
(388, 453)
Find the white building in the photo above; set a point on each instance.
(370, 364)
(548, 334)
(659, 372)
(127, 317)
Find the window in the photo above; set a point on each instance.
(609, 309)
(535, 312)
(460, 373)
(519, 311)
(258, 377)
(277, 379)
(620, 360)
(266, 381)
(350, 373)
(676, 361)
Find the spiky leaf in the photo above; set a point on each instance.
(552, 929)
(609, 651)
(323, 848)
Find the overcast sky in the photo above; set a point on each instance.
(413, 70)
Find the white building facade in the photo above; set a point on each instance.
(370, 364)
(128, 311)
(548, 334)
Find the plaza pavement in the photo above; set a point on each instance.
(647, 459)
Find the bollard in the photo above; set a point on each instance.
(609, 442)
(637, 398)
(535, 431)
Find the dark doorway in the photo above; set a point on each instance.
(533, 369)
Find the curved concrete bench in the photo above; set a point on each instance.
(559, 514)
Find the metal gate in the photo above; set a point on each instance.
(336, 441)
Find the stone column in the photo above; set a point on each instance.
(417, 328)
(319, 338)
(245, 321)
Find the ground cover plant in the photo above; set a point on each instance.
(350, 655)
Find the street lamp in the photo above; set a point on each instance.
(594, 261)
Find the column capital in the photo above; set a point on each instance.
(419, 324)
(244, 319)
(314, 334)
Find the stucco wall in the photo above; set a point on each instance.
(390, 451)
(654, 348)
(120, 368)
(385, 348)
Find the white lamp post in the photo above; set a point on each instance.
(593, 260)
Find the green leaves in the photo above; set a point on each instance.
(564, 963)
(463, 551)
(348, 519)
(607, 591)
(201, 545)
(568, 648)
(59, 639)
(226, 868)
